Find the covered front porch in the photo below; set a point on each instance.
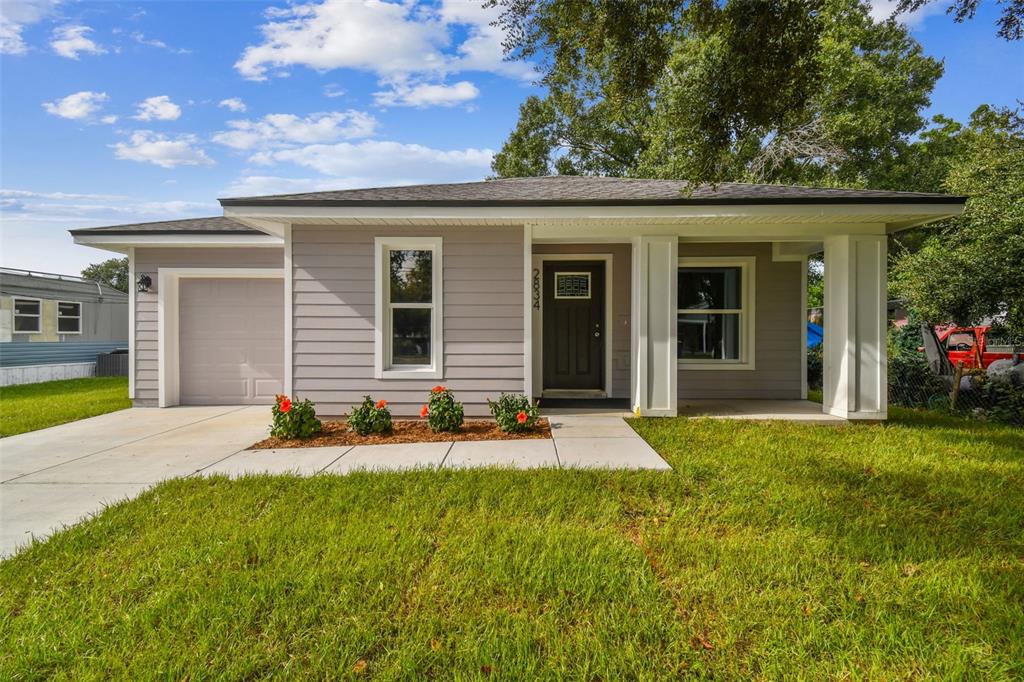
(705, 320)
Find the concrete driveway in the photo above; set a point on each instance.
(57, 476)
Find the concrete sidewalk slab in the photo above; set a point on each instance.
(589, 426)
(392, 457)
(30, 452)
(517, 454)
(179, 452)
(608, 453)
(299, 461)
(37, 511)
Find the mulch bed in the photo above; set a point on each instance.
(337, 433)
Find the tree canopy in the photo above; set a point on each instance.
(764, 90)
(972, 268)
(113, 272)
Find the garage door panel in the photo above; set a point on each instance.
(231, 340)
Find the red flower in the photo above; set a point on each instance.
(521, 417)
(381, 404)
(425, 411)
(279, 398)
(285, 405)
(438, 389)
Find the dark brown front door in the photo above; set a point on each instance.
(574, 325)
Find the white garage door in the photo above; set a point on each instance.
(231, 341)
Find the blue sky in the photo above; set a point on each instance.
(121, 112)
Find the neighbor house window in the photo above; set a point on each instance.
(715, 325)
(408, 307)
(69, 317)
(26, 315)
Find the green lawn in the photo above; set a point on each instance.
(772, 550)
(37, 406)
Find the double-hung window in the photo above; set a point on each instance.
(715, 313)
(408, 307)
(27, 313)
(69, 317)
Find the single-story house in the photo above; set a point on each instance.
(53, 326)
(645, 290)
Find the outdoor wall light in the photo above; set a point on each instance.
(144, 283)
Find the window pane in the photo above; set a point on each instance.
(23, 307)
(714, 288)
(411, 276)
(68, 324)
(69, 309)
(410, 336)
(709, 337)
(26, 324)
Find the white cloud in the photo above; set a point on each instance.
(165, 151)
(159, 108)
(78, 106)
(276, 130)
(255, 185)
(232, 103)
(375, 36)
(332, 90)
(141, 39)
(35, 223)
(109, 120)
(15, 15)
(63, 196)
(402, 94)
(70, 41)
(373, 162)
(398, 42)
(883, 9)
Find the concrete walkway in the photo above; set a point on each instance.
(57, 476)
(580, 440)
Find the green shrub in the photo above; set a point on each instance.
(294, 419)
(814, 366)
(912, 383)
(514, 413)
(370, 417)
(1004, 400)
(443, 412)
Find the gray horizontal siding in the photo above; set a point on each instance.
(333, 304)
(148, 261)
(18, 354)
(778, 319)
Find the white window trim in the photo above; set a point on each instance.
(382, 308)
(15, 315)
(79, 317)
(747, 265)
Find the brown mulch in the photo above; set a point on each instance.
(337, 433)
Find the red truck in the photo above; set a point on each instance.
(972, 345)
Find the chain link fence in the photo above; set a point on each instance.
(996, 394)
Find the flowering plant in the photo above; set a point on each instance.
(442, 411)
(294, 419)
(370, 417)
(514, 413)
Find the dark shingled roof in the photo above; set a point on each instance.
(563, 190)
(211, 225)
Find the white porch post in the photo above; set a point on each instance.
(655, 264)
(855, 356)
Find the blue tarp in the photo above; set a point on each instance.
(815, 334)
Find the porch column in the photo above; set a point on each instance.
(655, 368)
(855, 357)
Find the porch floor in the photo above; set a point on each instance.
(783, 410)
